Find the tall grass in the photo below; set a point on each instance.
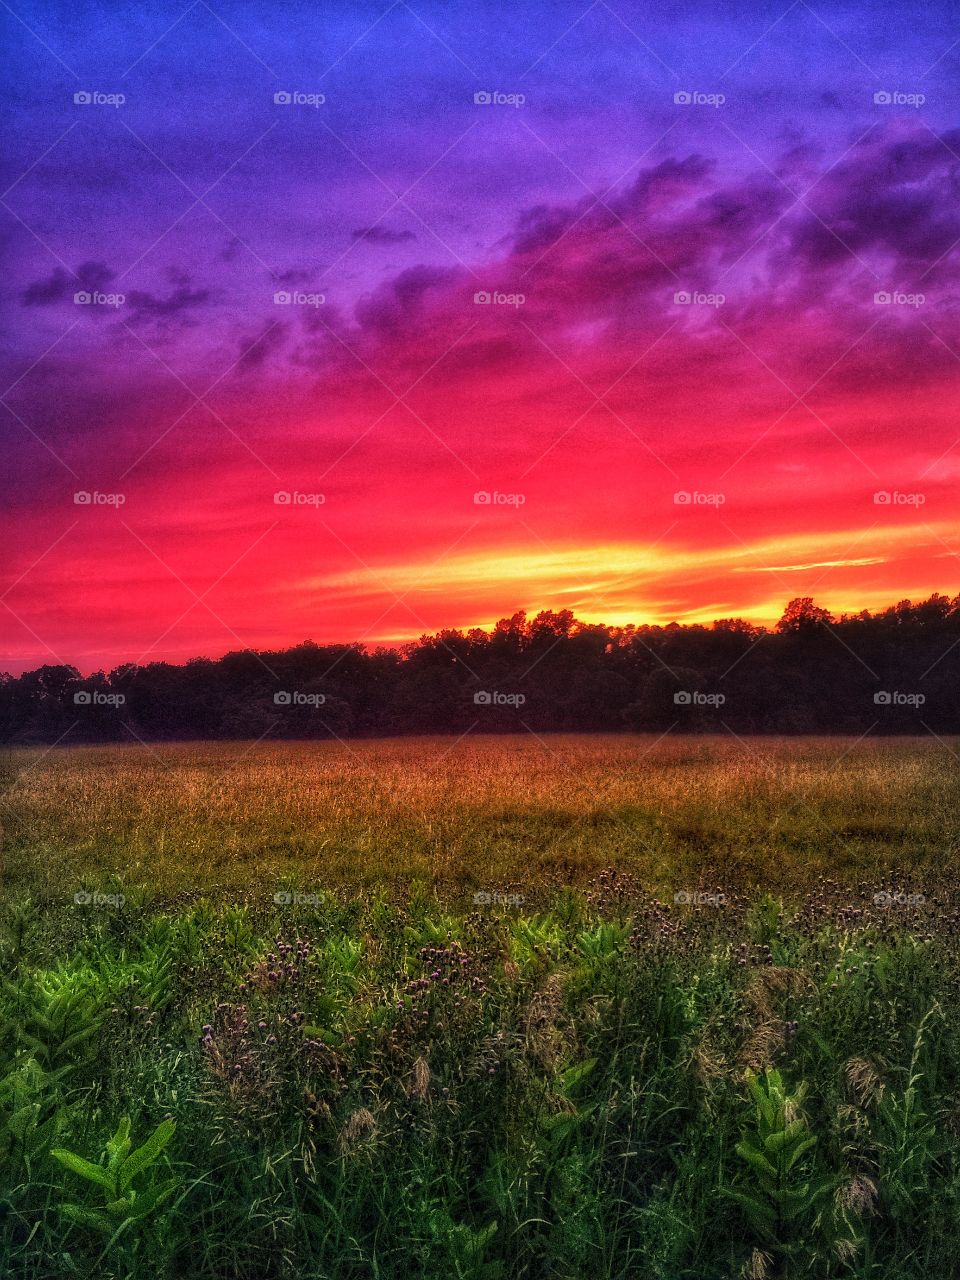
(547, 810)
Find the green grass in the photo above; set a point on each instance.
(726, 1057)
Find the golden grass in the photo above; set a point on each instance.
(528, 810)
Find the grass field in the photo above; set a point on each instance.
(234, 818)
(560, 1007)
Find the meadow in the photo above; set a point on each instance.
(520, 1006)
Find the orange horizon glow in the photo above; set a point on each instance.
(599, 584)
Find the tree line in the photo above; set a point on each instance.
(895, 671)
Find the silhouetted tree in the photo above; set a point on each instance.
(897, 671)
(801, 614)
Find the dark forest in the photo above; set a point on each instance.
(896, 671)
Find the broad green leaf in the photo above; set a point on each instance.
(149, 1200)
(756, 1159)
(121, 1207)
(78, 1037)
(784, 1137)
(144, 1156)
(23, 1119)
(87, 1217)
(44, 1134)
(575, 1075)
(761, 1216)
(798, 1151)
(77, 1164)
(793, 1201)
(119, 1144)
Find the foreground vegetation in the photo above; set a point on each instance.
(693, 1066)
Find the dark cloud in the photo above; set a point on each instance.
(254, 354)
(382, 235)
(664, 184)
(143, 305)
(599, 279)
(294, 276)
(894, 199)
(400, 302)
(91, 277)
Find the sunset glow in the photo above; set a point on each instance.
(694, 358)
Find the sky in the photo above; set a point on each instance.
(355, 322)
